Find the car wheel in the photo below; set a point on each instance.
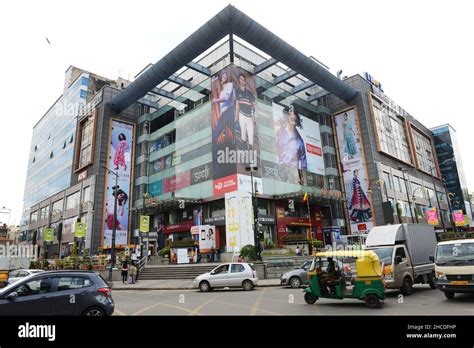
(407, 287)
(432, 281)
(204, 286)
(94, 312)
(373, 301)
(295, 282)
(310, 298)
(247, 285)
(449, 294)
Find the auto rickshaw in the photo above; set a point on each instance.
(367, 286)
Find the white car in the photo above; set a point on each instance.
(18, 274)
(239, 274)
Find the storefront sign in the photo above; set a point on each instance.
(201, 174)
(180, 227)
(269, 170)
(458, 217)
(215, 220)
(266, 219)
(176, 182)
(224, 185)
(432, 216)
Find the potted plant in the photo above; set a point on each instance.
(249, 252)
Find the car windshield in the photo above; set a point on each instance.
(456, 253)
(384, 254)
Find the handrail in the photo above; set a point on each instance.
(142, 263)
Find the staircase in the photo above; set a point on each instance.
(152, 272)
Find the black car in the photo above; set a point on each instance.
(58, 293)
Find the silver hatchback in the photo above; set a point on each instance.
(241, 275)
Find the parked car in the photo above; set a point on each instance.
(51, 293)
(18, 274)
(228, 275)
(299, 276)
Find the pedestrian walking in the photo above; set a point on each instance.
(149, 254)
(133, 272)
(124, 272)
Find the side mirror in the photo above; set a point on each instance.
(213, 272)
(398, 259)
(11, 296)
(431, 258)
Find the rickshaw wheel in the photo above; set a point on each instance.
(310, 298)
(373, 301)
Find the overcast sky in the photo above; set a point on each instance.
(421, 51)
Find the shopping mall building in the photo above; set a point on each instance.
(233, 119)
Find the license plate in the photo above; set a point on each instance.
(461, 282)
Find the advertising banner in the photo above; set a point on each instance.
(226, 184)
(201, 174)
(458, 217)
(155, 188)
(432, 216)
(176, 182)
(207, 237)
(235, 143)
(144, 223)
(354, 171)
(239, 216)
(298, 142)
(120, 162)
(80, 230)
(48, 234)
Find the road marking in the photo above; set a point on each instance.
(238, 305)
(255, 306)
(197, 309)
(157, 305)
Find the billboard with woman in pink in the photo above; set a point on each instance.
(354, 171)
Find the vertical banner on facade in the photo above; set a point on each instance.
(120, 162)
(432, 215)
(298, 142)
(458, 217)
(354, 171)
(80, 230)
(235, 144)
(48, 234)
(239, 224)
(144, 223)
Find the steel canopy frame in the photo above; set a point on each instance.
(230, 21)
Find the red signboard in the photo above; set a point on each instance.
(362, 227)
(314, 150)
(226, 184)
(181, 227)
(176, 182)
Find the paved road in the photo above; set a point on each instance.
(282, 301)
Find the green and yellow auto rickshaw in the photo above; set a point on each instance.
(330, 282)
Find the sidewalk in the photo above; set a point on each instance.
(176, 284)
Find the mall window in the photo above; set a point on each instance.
(86, 142)
(388, 180)
(162, 120)
(391, 131)
(85, 194)
(164, 141)
(33, 217)
(72, 201)
(58, 205)
(424, 151)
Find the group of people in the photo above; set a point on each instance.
(129, 273)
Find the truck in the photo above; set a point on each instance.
(8, 264)
(406, 252)
(454, 267)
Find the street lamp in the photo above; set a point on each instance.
(255, 212)
(114, 224)
(403, 170)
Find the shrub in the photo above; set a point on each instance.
(165, 251)
(249, 252)
(293, 237)
(188, 242)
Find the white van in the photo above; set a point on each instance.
(454, 266)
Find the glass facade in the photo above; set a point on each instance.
(447, 148)
(52, 146)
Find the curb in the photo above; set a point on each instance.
(182, 288)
